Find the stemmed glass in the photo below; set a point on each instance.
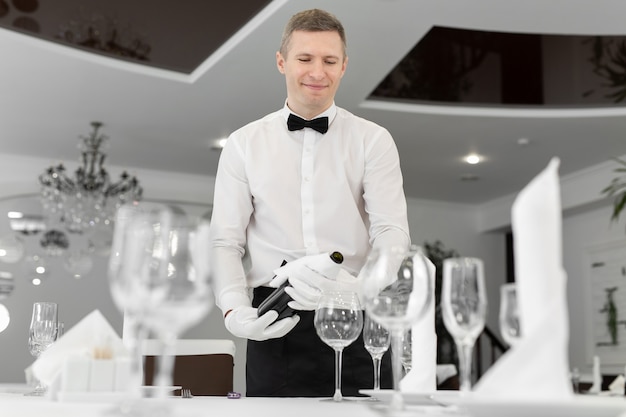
(130, 294)
(376, 340)
(158, 276)
(509, 314)
(338, 322)
(179, 267)
(397, 286)
(407, 351)
(42, 333)
(464, 308)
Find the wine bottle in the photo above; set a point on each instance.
(278, 299)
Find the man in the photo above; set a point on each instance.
(288, 192)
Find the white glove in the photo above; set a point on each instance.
(243, 322)
(308, 285)
(321, 263)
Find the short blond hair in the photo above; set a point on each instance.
(313, 20)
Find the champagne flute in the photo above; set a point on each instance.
(134, 291)
(509, 314)
(338, 322)
(376, 340)
(129, 293)
(42, 333)
(464, 308)
(398, 286)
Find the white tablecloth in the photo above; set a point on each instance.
(13, 403)
(17, 405)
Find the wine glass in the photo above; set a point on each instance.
(376, 340)
(397, 284)
(338, 322)
(42, 333)
(464, 308)
(509, 314)
(178, 266)
(60, 330)
(407, 351)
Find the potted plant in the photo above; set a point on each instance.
(617, 190)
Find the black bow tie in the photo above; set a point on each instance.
(296, 123)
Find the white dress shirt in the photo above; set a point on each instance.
(280, 195)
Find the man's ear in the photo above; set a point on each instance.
(280, 62)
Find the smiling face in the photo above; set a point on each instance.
(313, 66)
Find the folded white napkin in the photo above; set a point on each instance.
(423, 374)
(617, 386)
(92, 336)
(537, 366)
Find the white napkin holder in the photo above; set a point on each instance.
(89, 359)
(84, 374)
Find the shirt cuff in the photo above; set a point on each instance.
(231, 299)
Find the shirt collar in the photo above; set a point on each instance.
(330, 112)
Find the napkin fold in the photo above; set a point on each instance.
(537, 366)
(92, 336)
(616, 387)
(423, 374)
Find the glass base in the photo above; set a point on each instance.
(39, 391)
(341, 400)
(137, 407)
(385, 410)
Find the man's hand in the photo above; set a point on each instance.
(243, 322)
(307, 286)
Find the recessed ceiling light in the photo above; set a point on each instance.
(523, 141)
(473, 159)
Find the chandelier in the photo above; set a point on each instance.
(77, 217)
(85, 203)
(105, 34)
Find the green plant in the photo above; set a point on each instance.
(617, 190)
(609, 62)
(446, 348)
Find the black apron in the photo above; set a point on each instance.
(300, 364)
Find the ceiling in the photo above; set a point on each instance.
(165, 116)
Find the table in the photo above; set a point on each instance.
(15, 404)
(18, 405)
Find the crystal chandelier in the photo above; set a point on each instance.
(87, 202)
(102, 33)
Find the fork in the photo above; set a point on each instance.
(186, 393)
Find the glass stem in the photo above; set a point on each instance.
(465, 365)
(166, 363)
(338, 356)
(376, 361)
(133, 342)
(397, 402)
